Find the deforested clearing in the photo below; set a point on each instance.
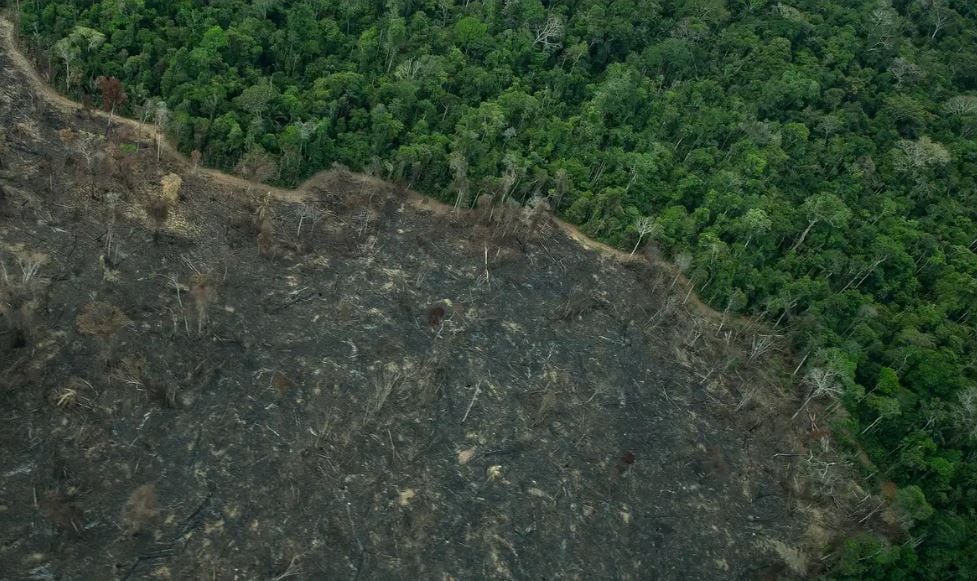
(343, 381)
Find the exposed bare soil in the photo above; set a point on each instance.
(344, 382)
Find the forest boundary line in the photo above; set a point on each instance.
(10, 44)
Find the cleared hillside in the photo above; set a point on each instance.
(200, 380)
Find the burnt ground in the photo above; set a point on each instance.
(360, 386)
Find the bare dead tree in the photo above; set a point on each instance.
(204, 293)
(459, 170)
(961, 105)
(761, 344)
(89, 149)
(111, 205)
(939, 15)
(822, 382)
(967, 412)
(203, 289)
(645, 226)
(308, 212)
(682, 262)
(161, 115)
(550, 33)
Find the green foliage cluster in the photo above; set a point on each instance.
(812, 161)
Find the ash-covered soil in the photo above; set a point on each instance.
(361, 386)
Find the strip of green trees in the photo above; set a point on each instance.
(810, 161)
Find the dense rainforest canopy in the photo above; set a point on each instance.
(811, 161)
